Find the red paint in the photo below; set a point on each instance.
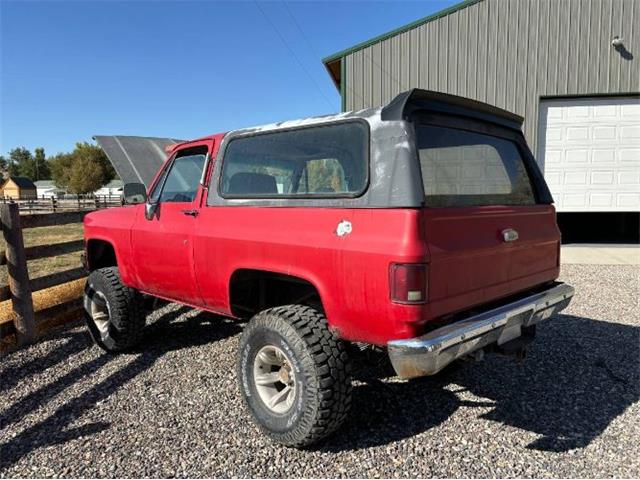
(164, 249)
(471, 264)
(191, 259)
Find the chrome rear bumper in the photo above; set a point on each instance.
(430, 353)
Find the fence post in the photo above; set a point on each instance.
(18, 274)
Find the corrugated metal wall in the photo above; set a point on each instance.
(506, 52)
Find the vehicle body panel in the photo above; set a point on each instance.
(472, 264)
(164, 253)
(350, 272)
(192, 259)
(114, 227)
(163, 245)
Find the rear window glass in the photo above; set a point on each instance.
(321, 161)
(462, 168)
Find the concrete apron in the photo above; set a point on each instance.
(600, 254)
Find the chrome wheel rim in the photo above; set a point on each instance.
(274, 379)
(100, 313)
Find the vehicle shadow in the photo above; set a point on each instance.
(162, 336)
(579, 376)
(582, 373)
(382, 413)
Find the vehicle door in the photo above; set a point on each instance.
(162, 243)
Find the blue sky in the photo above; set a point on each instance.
(70, 70)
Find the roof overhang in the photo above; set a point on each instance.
(332, 62)
(334, 67)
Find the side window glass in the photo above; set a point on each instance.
(183, 177)
(323, 161)
(157, 188)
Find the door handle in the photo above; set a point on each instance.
(190, 212)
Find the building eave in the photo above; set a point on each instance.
(336, 57)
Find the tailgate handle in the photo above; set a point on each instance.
(509, 235)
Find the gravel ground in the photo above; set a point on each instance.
(173, 409)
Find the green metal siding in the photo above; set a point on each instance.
(505, 52)
(397, 31)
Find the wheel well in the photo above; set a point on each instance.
(100, 254)
(251, 291)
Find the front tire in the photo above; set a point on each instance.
(113, 312)
(294, 375)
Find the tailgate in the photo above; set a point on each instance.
(487, 234)
(471, 263)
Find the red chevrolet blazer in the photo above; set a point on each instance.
(424, 228)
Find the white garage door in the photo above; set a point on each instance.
(589, 150)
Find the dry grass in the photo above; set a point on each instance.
(45, 266)
(48, 236)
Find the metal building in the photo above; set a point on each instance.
(571, 68)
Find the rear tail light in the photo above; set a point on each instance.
(408, 282)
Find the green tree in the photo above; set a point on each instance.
(13, 170)
(84, 170)
(22, 163)
(95, 154)
(40, 165)
(61, 169)
(19, 159)
(3, 167)
(86, 176)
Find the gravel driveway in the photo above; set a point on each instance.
(570, 410)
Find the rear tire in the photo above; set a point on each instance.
(294, 375)
(113, 312)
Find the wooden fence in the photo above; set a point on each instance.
(27, 322)
(54, 205)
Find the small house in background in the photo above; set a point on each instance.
(19, 188)
(111, 189)
(47, 189)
